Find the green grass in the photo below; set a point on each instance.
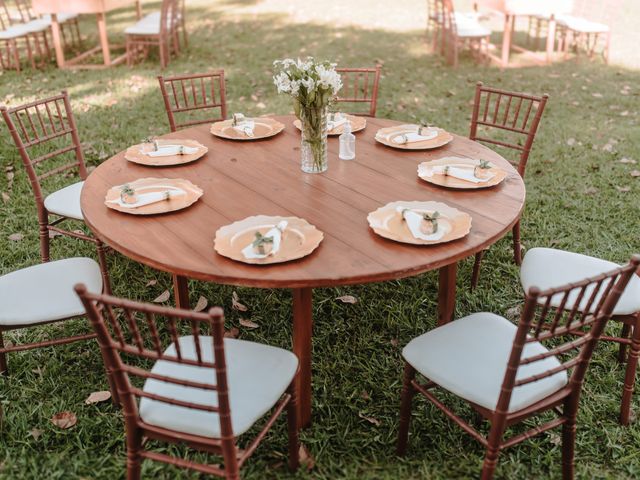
(574, 202)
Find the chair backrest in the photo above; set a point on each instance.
(570, 334)
(516, 115)
(133, 336)
(184, 94)
(47, 126)
(5, 16)
(25, 11)
(435, 11)
(360, 85)
(169, 15)
(447, 10)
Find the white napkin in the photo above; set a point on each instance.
(151, 197)
(276, 234)
(244, 125)
(415, 219)
(412, 135)
(336, 120)
(461, 172)
(170, 150)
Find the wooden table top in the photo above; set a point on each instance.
(241, 179)
(78, 6)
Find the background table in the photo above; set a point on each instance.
(97, 7)
(241, 179)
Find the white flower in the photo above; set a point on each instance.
(329, 78)
(308, 83)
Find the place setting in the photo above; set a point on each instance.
(461, 173)
(413, 137)
(243, 128)
(165, 152)
(337, 121)
(151, 196)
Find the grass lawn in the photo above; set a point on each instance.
(582, 196)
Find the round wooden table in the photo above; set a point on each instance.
(241, 179)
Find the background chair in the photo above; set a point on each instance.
(513, 119)
(44, 294)
(49, 126)
(69, 24)
(188, 95)
(178, 357)
(360, 86)
(15, 34)
(461, 31)
(510, 374)
(548, 268)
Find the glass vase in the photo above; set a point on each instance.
(313, 149)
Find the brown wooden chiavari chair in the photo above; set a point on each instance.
(161, 32)
(549, 267)
(13, 35)
(463, 30)
(360, 86)
(186, 94)
(435, 25)
(197, 387)
(69, 25)
(545, 364)
(48, 129)
(516, 116)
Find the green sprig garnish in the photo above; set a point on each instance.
(260, 242)
(484, 164)
(433, 218)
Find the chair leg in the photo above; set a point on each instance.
(568, 449)
(491, 455)
(44, 242)
(622, 349)
(405, 409)
(475, 275)
(4, 369)
(292, 420)
(517, 246)
(630, 374)
(102, 260)
(134, 460)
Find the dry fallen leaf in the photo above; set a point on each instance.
(201, 305)
(571, 142)
(591, 191)
(306, 460)
(248, 323)
(372, 420)
(348, 299)
(394, 342)
(365, 395)
(233, 333)
(163, 297)
(627, 160)
(235, 303)
(513, 312)
(5, 197)
(79, 232)
(16, 237)
(54, 234)
(555, 439)
(151, 283)
(623, 189)
(64, 419)
(635, 173)
(36, 433)
(97, 397)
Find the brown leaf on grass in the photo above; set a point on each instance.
(348, 299)
(64, 420)
(306, 460)
(394, 342)
(36, 433)
(571, 142)
(235, 303)
(248, 323)
(591, 191)
(627, 160)
(16, 237)
(54, 234)
(79, 232)
(97, 397)
(5, 197)
(513, 313)
(233, 333)
(635, 173)
(597, 95)
(555, 438)
(623, 189)
(371, 420)
(163, 297)
(365, 395)
(201, 305)
(151, 282)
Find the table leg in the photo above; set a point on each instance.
(447, 293)
(302, 328)
(57, 43)
(551, 37)
(104, 39)
(506, 39)
(181, 291)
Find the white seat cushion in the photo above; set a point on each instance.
(581, 25)
(257, 376)
(144, 27)
(469, 357)
(15, 31)
(550, 268)
(36, 26)
(469, 28)
(44, 293)
(66, 201)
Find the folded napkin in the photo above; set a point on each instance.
(412, 134)
(461, 172)
(414, 221)
(171, 150)
(336, 120)
(275, 234)
(243, 125)
(151, 197)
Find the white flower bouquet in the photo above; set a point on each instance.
(312, 85)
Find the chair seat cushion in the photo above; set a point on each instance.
(581, 25)
(257, 376)
(144, 27)
(66, 201)
(15, 31)
(469, 28)
(44, 293)
(469, 357)
(37, 25)
(549, 268)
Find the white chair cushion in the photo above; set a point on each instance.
(36, 26)
(44, 293)
(15, 31)
(144, 27)
(257, 376)
(550, 268)
(470, 29)
(469, 357)
(66, 201)
(581, 25)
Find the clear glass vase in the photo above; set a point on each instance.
(313, 149)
